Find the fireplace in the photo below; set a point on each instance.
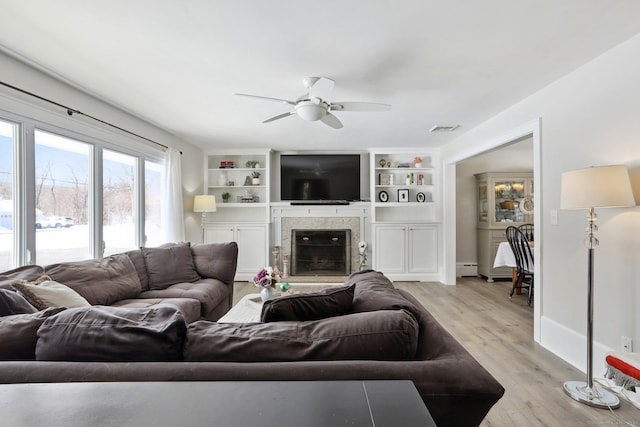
(320, 252)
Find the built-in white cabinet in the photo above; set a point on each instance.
(404, 186)
(405, 210)
(406, 251)
(252, 239)
(240, 181)
(499, 196)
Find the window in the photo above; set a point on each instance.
(62, 194)
(66, 196)
(8, 132)
(119, 183)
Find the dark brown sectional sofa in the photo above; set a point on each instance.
(385, 334)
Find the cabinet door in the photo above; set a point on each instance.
(390, 248)
(219, 234)
(252, 249)
(423, 249)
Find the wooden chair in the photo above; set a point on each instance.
(527, 229)
(524, 261)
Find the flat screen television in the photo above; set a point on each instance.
(320, 177)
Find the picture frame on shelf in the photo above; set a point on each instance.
(403, 195)
(386, 179)
(421, 197)
(383, 196)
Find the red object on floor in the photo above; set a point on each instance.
(623, 367)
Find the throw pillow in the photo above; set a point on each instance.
(111, 334)
(312, 306)
(45, 293)
(374, 291)
(13, 303)
(169, 265)
(378, 335)
(19, 334)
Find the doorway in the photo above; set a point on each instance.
(532, 131)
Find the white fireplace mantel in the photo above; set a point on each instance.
(355, 217)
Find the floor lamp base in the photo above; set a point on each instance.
(595, 396)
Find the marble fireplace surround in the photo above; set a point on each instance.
(354, 217)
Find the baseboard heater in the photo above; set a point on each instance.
(466, 269)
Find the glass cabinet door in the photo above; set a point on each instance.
(508, 193)
(483, 202)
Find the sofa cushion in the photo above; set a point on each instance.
(216, 260)
(190, 308)
(19, 334)
(12, 302)
(44, 293)
(99, 281)
(380, 335)
(169, 265)
(115, 334)
(310, 306)
(26, 272)
(138, 262)
(374, 291)
(210, 292)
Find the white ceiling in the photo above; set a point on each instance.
(177, 63)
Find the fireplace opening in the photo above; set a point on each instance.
(320, 252)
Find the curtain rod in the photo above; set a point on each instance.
(72, 111)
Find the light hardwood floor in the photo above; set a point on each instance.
(498, 332)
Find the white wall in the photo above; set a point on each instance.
(27, 78)
(516, 158)
(589, 117)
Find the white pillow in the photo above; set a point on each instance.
(49, 293)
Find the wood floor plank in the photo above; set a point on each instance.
(498, 332)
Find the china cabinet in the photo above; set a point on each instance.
(499, 195)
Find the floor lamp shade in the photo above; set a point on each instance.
(597, 187)
(204, 203)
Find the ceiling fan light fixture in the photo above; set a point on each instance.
(311, 111)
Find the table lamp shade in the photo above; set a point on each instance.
(596, 187)
(204, 203)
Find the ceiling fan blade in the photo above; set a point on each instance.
(280, 116)
(267, 98)
(321, 88)
(331, 120)
(363, 107)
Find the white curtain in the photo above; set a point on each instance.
(172, 209)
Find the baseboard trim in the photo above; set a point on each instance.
(571, 347)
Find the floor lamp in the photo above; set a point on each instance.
(596, 187)
(204, 204)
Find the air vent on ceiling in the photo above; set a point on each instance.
(444, 128)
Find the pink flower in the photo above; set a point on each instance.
(266, 278)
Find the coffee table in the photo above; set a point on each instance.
(216, 403)
(247, 310)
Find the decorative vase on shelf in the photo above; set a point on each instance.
(267, 293)
(222, 180)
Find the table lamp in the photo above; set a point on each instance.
(596, 187)
(204, 204)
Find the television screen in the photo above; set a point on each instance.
(320, 177)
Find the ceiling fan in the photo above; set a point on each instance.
(314, 106)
